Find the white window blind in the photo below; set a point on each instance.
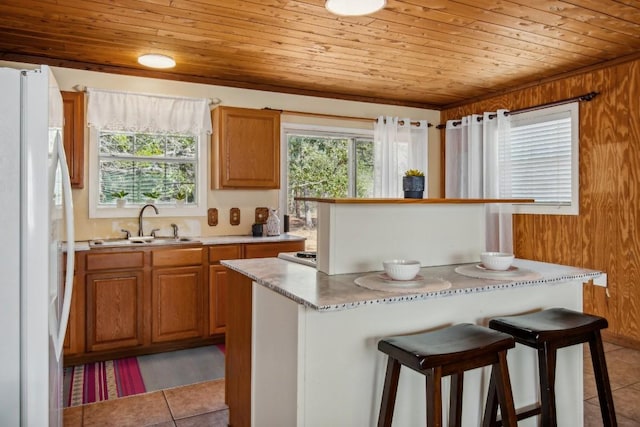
(543, 148)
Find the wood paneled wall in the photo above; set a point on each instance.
(606, 233)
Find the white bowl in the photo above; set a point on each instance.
(496, 260)
(401, 269)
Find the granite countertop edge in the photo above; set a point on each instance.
(322, 292)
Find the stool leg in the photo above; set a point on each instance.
(389, 393)
(455, 400)
(491, 407)
(500, 371)
(547, 367)
(602, 380)
(434, 396)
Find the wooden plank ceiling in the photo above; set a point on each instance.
(424, 53)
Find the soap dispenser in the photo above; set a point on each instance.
(273, 223)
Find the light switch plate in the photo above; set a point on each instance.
(234, 216)
(212, 216)
(261, 215)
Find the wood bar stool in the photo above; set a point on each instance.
(547, 331)
(444, 352)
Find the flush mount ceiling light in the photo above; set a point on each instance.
(155, 60)
(354, 7)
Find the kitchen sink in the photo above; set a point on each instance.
(132, 243)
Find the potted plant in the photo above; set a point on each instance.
(413, 184)
(120, 197)
(181, 196)
(151, 196)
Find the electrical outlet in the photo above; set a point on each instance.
(212, 216)
(261, 215)
(234, 216)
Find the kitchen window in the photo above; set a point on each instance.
(327, 162)
(543, 149)
(147, 149)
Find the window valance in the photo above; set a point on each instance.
(110, 110)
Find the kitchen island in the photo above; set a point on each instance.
(302, 344)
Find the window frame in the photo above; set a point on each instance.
(131, 210)
(287, 128)
(573, 208)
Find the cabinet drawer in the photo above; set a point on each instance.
(266, 250)
(219, 252)
(176, 257)
(115, 260)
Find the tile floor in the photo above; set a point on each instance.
(194, 405)
(203, 404)
(623, 365)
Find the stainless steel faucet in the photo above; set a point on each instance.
(175, 231)
(140, 230)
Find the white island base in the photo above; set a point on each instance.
(322, 368)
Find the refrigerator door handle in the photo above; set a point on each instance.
(58, 339)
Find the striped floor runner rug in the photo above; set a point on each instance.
(111, 379)
(95, 382)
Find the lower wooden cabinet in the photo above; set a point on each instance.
(218, 274)
(148, 300)
(177, 304)
(114, 310)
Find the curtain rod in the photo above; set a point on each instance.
(335, 116)
(212, 101)
(586, 97)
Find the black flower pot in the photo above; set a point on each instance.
(413, 187)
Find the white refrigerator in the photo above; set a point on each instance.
(36, 228)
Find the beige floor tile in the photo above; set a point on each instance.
(148, 409)
(72, 417)
(625, 355)
(210, 419)
(593, 418)
(196, 399)
(589, 383)
(621, 373)
(625, 402)
(610, 346)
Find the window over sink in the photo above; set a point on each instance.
(147, 149)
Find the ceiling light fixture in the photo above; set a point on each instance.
(155, 60)
(354, 7)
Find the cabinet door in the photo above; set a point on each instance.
(73, 136)
(177, 304)
(114, 310)
(217, 299)
(246, 151)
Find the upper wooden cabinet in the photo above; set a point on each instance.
(73, 135)
(245, 150)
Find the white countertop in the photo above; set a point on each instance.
(324, 292)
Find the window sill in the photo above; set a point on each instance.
(541, 209)
(133, 210)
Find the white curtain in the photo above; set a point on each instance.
(147, 113)
(398, 146)
(477, 163)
